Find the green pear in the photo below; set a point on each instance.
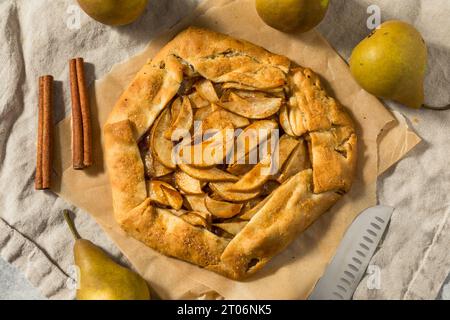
(100, 278)
(391, 63)
(292, 15)
(114, 12)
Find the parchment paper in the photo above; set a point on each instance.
(292, 274)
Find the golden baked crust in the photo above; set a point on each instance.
(319, 167)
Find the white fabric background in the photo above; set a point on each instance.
(413, 258)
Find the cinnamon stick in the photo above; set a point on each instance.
(81, 117)
(85, 114)
(45, 130)
(77, 121)
(38, 177)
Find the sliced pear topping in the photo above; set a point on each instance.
(284, 120)
(223, 190)
(255, 178)
(210, 125)
(232, 228)
(286, 146)
(222, 209)
(238, 86)
(245, 94)
(153, 167)
(196, 203)
(164, 194)
(195, 219)
(209, 152)
(175, 108)
(206, 90)
(214, 120)
(205, 215)
(188, 184)
(173, 197)
(201, 113)
(248, 94)
(182, 119)
(212, 174)
(252, 108)
(160, 146)
(197, 101)
(298, 161)
(268, 167)
(251, 137)
(168, 178)
(296, 118)
(239, 169)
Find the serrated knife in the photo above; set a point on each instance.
(353, 255)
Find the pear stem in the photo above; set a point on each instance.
(447, 107)
(69, 221)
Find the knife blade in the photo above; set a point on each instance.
(353, 255)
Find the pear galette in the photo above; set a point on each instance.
(184, 149)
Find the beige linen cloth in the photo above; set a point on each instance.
(37, 38)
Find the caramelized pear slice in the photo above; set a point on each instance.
(213, 120)
(197, 101)
(239, 169)
(182, 120)
(284, 120)
(173, 197)
(212, 174)
(252, 108)
(296, 119)
(205, 215)
(175, 108)
(245, 94)
(201, 113)
(222, 209)
(188, 184)
(168, 178)
(206, 90)
(209, 152)
(164, 194)
(160, 146)
(268, 167)
(238, 86)
(250, 138)
(232, 228)
(153, 167)
(195, 219)
(286, 146)
(298, 161)
(196, 203)
(223, 190)
(255, 178)
(210, 125)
